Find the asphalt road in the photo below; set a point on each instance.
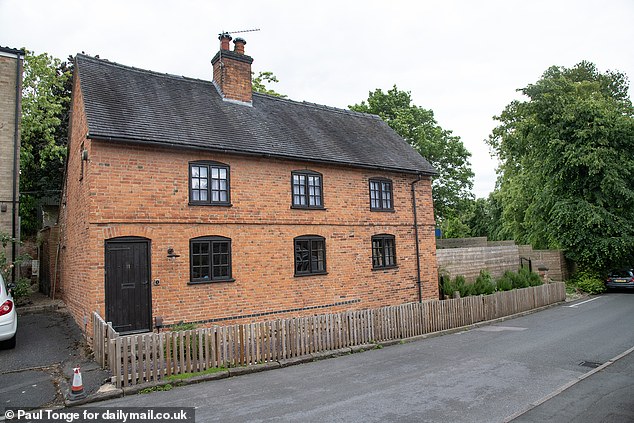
(35, 373)
(480, 375)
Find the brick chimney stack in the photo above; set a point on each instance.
(232, 70)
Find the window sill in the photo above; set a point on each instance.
(211, 204)
(301, 275)
(210, 281)
(375, 269)
(383, 210)
(307, 208)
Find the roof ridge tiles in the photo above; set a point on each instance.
(141, 70)
(316, 105)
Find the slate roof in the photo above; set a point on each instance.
(129, 104)
(10, 50)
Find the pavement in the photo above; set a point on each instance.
(38, 371)
(601, 395)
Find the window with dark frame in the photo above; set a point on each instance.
(209, 183)
(310, 255)
(383, 251)
(307, 189)
(210, 259)
(381, 194)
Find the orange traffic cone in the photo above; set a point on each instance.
(77, 390)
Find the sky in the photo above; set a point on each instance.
(462, 59)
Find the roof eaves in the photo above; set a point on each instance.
(101, 137)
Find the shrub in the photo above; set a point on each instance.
(22, 290)
(532, 278)
(446, 286)
(505, 283)
(484, 284)
(589, 282)
(460, 284)
(180, 326)
(518, 281)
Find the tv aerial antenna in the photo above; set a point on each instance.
(239, 32)
(222, 65)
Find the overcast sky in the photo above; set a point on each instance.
(462, 59)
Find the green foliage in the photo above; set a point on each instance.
(446, 152)
(484, 284)
(208, 371)
(180, 326)
(450, 286)
(460, 284)
(484, 217)
(566, 176)
(174, 348)
(259, 82)
(22, 290)
(589, 282)
(45, 111)
(5, 264)
(166, 387)
(531, 278)
(518, 280)
(505, 283)
(454, 227)
(446, 286)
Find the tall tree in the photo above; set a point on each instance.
(45, 110)
(452, 187)
(259, 83)
(566, 178)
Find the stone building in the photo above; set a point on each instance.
(11, 64)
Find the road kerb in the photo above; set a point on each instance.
(568, 385)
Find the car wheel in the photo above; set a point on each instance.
(9, 343)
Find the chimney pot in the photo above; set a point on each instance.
(239, 44)
(232, 70)
(224, 41)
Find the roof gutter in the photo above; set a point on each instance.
(16, 158)
(418, 281)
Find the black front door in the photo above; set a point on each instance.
(128, 296)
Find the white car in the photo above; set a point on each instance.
(8, 316)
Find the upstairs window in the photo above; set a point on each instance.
(381, 195)
(209, 183)
(310, 255)
(210, 259)
(307, 190)
(383, 251)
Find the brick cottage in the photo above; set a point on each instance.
(195, 201)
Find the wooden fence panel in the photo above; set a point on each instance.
(135, 359)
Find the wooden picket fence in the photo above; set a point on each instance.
(149, 357)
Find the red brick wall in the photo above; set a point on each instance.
(79, 278)
(234, 79)
(131, 190)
